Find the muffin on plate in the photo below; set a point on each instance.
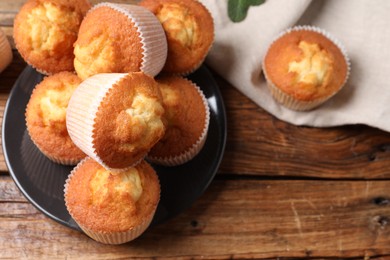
(5, 51)
(189, 28)
(187, 114)
(116, 118)
(304, 67)
(119, 38)
(45, 31)
(112, 209)
(45, 118)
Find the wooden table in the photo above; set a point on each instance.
(281, 191)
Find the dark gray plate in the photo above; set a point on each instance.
(42, 181)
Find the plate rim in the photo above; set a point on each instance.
(222, 124)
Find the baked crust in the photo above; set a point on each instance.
(189, 28)
(185, 114)
(129, 121)
(45, 30)
(306, 65)
(45, 117)
(104, 203)
(108, 41)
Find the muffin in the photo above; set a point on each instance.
(5, 51)
(304, 67)
(112, 209)
(189, 28)
(187, 114)
(45, 30)
(45, 118)
(116, 118)
(119, 38)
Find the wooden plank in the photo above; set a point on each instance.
(279, 148)
(11, 6)
(7, 18)
(9, 192)
(282, 149)
(234, 218)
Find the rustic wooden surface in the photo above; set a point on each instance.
(281, 191)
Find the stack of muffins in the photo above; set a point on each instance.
(114, 98)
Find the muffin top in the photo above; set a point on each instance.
(108, 41)
(129, 120)
(306, 65)
(104, 202)
(46, 114)
(185, 113)
(190, 32)
(45, 30)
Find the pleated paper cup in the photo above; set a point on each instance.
(189, 27)
(115, 118)
(151, 34)
(5, 51)
(287, 99)
(194, 150)
(82, 109)
(119, 237)
(108, 237)
(46, 131)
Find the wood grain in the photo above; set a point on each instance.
(240, 219)
(280, 149)
(281, 191)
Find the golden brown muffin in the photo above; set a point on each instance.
(116, 118)
(45, 30)
(112, 209)
(119, 38)
(45, 118)
(187, 115)
(304, 68)
(5, 51)
(189, 27)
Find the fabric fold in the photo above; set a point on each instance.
(360, 25)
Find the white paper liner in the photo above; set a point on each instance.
(59, 160)
(119, 237)
(55, 159)
(109, 238)
(5, 51)
(195, 148)
(151, 33)
(82, 109)
(195, 67)
(287, 100)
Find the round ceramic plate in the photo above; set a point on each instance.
(42, 181)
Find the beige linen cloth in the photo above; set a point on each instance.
(362, 26)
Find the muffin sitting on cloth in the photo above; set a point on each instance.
(304, 67)
(189, 28)
(45, 30)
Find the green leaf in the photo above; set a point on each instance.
(238, 9)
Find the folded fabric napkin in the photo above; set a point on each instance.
(244, 30)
